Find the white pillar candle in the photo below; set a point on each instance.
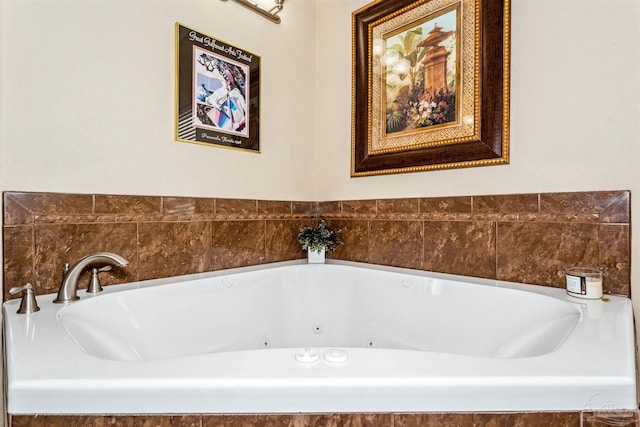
(584, 283)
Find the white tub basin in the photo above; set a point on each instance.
(313, 306)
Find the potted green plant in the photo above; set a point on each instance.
(317, 240)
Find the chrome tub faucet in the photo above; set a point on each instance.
(69, 286)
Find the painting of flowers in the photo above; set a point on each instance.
(420, 64)
(430, 85)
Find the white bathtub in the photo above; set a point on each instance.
(344, 337)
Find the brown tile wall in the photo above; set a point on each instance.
(529, 238)
(529, 419)
(160, 236)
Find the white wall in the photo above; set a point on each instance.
(88, 99)
(575, 108)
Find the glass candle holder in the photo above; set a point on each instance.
(584, 282)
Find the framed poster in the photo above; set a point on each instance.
(430, 85)
(217, 92)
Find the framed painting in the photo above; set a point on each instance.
(430, 85)
(217, 92)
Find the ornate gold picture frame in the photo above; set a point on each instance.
(430, 85)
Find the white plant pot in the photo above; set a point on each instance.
(316, 257)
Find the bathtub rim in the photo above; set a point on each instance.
(558, 293)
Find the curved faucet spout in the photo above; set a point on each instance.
(69, 286)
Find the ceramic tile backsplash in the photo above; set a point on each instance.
(274, 207)
(614, 256)
(281, 239)
(537, 419)
(18, 259)
(542, 251)
(460, 247)
(398, 243)
(310, 208)
(398, 208)
(187, 205)
(53, 203)
(506, 204)
(236, 207)
(610, 418)
(607, 206)
(529, 238)
(355, 236)
(127, 204)
(160, 236)
(15, 213)
(358, 208)
(173, 248)
(445, 205)
(238, 243)
(57, 244)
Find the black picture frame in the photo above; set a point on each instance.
(217, 92)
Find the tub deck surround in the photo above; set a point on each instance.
(478, 346)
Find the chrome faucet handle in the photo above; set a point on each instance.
(28, 303)
(94, 284)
